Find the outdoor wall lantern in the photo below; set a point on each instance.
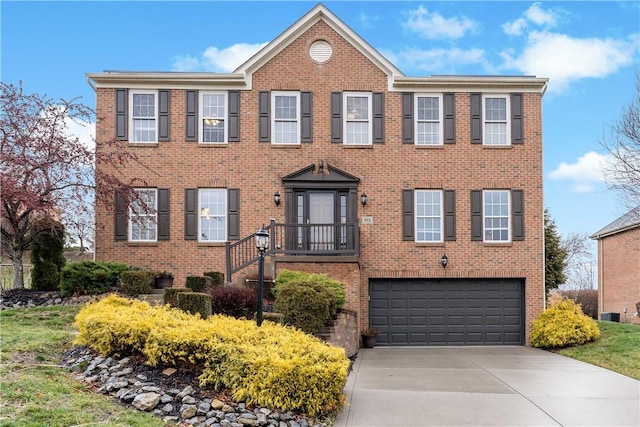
(276, 198)
(444, 261)
(363, 198)
(262, 243)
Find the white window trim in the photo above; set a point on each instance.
(273, 116)
(154, 215)
(131, 118)
(345, 120)
(415, 219)
(440, 117)
(226, 215)
(201, 117)
(509, 215)
(507, 119)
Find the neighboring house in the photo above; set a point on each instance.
(619, 268)
(358, 171)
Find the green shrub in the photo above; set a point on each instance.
(216, 277)
(134, 283)
(195, 302)
(199, 283)
(336, 287)
(47, 257)
(236, 302)
(306, 305)
(89, 277)
(171, 296)
(273, 317)
(563, 325)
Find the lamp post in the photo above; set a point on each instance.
(262, 243)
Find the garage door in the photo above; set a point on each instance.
(447, 312)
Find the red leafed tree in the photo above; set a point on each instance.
(45, 171)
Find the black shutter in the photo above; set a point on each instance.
(190, 214)
(476, 215)
(449, 108)
(306, 116)
(122, 98)
(164, 101)
(264, 124)
(449, 215)
(336, 117)
(121, 216)
(407, 118)
(163, 214)
(407, 215)
(234, 116)
(233, 211)
(516, 119)
(517, 209)
(192, 116)
(378, 118)
(476, 118)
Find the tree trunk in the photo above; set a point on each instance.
(18, 270)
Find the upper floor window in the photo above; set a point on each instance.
(212, 208)
(213, 114)
(496, 214)
(428, 117)
(144, 116)
(143, 216)
(428, 217)
(357, 118)
(496, 120)
(286, 117)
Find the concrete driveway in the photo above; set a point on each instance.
(484, 386)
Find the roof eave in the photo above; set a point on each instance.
(161, 80)
(599, 235)
(472, 83)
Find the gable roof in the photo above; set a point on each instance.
(626, 222)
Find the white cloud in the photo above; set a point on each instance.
(584, 173)
(565, 59)
(84, 131)
(515, 27)
(218, 60)
(435, 26)
(436, 61)
(535, 15)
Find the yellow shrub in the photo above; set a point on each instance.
(563, 325)
(273, 365)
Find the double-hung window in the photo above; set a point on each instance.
(144, 116)
(143, 216)
(428, 120)
(496, 213)
(212, 220)
(428, 215)
(286, 117)
(496, 120)
(357, 118)
(213, 113)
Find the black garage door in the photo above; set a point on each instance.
(447, 312)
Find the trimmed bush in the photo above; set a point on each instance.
(195, 302)
(287, 276)
(235, 302)
(563, 325)
(306, 305)
(273, 317)
(216, 277)
(90, 278)
(272, 365)
(171, 296)
(199, 283)
(47, 257)
(134, 283)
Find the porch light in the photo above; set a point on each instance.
(444, 261)
(363, 198)
(262, 243)
(276, 198)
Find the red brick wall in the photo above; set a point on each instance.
(384, 170)
(619, 274)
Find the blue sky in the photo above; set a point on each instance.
(590, 51)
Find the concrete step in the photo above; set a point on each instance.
(154, 298)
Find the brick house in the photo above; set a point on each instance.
(357, 171)
(619, 267)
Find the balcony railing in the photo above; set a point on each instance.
(296, 240)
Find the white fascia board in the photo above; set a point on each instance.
(471, 84)
(168, 80)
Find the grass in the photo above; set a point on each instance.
(35, 390)
(618, 349)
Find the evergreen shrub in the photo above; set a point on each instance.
(90, 278)
(199, 283)
(134, 283)
(47, 257)
(171, 296)
(306, 305)
(216, 277)
(195, 302)
(336, 287)
(235, 302)
(563, 325)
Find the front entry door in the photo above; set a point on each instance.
(321, 219)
